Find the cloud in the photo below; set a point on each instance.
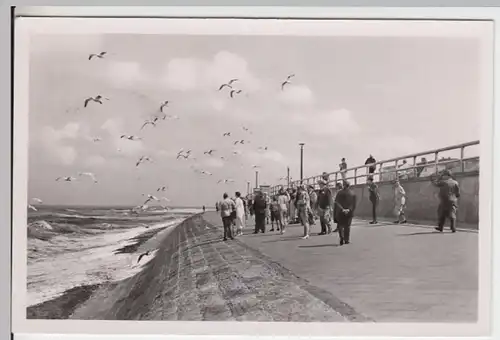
(186, 74)
(55, 142)
(214, 163)
(259, 158)
(124, 73)
(94, 160)
(114, 127)
(335, 122)
(296, 95)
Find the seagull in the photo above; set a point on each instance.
(206, 172)
(37, 200)
(209, 152)
(255, 166)
(97, 99)
(263, 148)
(142, 160)
(226, 181)
(239, 142)
(164, 104)
(164, 188)
(233, 92)
(142, 255)
(133, 138)
(227, 134)
(150, 198)
(236, 152)
(100, 55)
(96, 139)
(90, 174)
(32, 207)
(246, 129)
(66, 179)
(165, 199)
(229, 84)
(287, 81)
(152, 122)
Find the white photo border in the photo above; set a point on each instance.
(27, 26)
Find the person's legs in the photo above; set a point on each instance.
(328, 221)
(283, 221)
(322, 221)
(304, 220)
(453, 217)
(374, 211)
(347, 232)
(340, 229)
(226, 222)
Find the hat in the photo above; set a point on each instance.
(446, 173)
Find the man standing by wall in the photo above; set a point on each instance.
(374, 198)
(325, 205)
(399, 202)
(345, 205)
(227, 206)
(303, 205)
(449, 192)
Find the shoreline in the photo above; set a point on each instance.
(63, 305)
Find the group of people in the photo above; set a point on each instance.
(305, 205)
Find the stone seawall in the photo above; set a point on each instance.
(422, 200)
(196, 276)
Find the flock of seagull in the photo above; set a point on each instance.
(233, 90)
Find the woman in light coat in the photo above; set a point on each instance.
(240, 214)
(399, 202)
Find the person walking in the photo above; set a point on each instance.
(449, 193)
(292, 210)
(313, 196)
(268, 208)
(240, 214)
(325, 205)
(399, 202)
(283, 201)
(343, 169)
(374, 198)
(303, 205)
(259, 207)
(345, 205)
(275, 214)
(226, 208)
(338, 188)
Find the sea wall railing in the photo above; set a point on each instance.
(390, 169)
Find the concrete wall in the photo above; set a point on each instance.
(422, 199)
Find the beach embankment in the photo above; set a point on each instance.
(196, 276)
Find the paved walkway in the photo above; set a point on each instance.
(388, 273)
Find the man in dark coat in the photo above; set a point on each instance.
(374, 198)
(449, 192)
(259, 208)
(345, 205)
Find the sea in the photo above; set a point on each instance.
(75, 246)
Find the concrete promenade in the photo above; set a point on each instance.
(389, 273)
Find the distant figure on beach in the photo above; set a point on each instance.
(203, 208)
(449, 192)
(227, 206)
(283, 201)
(303, 206)
(259, 207)
(399, 202)
(325, 205)
(370, 162)
(345, 205)
(374, 198)
(240, 214)
(343, 168)
(217, 206)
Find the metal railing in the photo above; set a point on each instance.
(395, 169)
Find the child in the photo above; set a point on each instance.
(275, 214)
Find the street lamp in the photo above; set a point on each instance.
(301, 161)
(256, 178)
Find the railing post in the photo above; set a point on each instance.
(336, 177)
(462, 165)
(436, 162)
(380, 172)
(355, 176)
(396, 165)
(414, 170)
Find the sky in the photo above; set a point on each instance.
(350, 97)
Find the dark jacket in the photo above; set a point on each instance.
(374, 194)
(325, 198)
(449, 191)
(259, 204)
(345, 199)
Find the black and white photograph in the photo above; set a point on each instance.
(293, 171)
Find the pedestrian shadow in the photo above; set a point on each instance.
(321, 245)
(424, 233)
(281, 239)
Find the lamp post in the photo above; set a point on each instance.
(248, 187)
(288, 176)
(256, 178)
(301, 161)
